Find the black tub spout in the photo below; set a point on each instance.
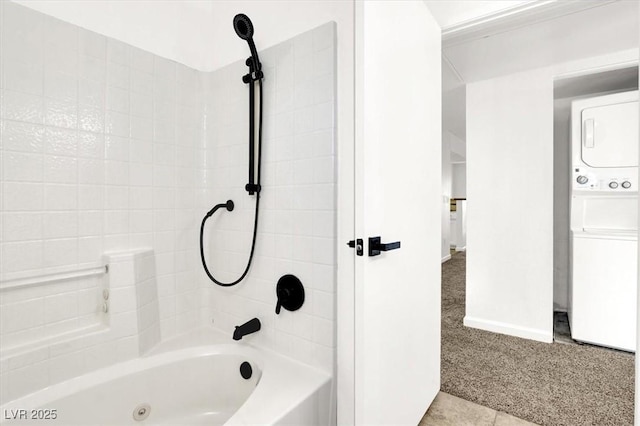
(248, 327)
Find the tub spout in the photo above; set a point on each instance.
(248, 327)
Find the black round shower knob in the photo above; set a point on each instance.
(290, 293)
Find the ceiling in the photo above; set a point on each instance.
(487, 39)
(454, 12)
(564, 35)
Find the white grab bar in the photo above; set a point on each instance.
(53, 277)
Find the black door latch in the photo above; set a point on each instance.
(358, 245)
(375, 246)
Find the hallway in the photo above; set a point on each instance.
(548, 384)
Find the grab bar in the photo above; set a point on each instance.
(54, 277)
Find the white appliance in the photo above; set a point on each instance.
(604, 220)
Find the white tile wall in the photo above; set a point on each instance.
(98, 152)
(105, 147)
(32, 314)
(297, 214)
(52, 333)
(146, 298)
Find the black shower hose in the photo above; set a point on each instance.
(229, 206)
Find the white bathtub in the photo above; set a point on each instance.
(199, 385)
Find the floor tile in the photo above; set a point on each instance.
(504, 419)
(448, 410)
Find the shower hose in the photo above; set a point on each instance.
(229, 206)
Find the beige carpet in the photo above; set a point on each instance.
(548, 384)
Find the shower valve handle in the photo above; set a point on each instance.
(290, 293)
(284, 296)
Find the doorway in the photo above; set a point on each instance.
(513, 256)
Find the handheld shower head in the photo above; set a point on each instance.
(243, 26)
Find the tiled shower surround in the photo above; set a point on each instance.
(107, 148)
(297, 209)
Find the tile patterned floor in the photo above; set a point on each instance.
(449, 410)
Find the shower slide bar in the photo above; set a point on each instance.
(15, 283)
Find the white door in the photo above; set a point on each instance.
(398, 196)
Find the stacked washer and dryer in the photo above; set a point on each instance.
(604, 220)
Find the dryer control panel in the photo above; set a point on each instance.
(618, 180)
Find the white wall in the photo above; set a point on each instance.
(200, 33)
(178, 30)
(446, 196)
(510, 191)
(459, 180)
(510, 229)
(273, 22)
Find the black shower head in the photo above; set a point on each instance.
(243, 26)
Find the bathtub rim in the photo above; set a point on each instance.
(294, 381)
(135, 365)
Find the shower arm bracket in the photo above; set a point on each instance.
(255, 74)
(252, 188)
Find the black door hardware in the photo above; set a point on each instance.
(290, 293)
(358, 245)
(375, 246)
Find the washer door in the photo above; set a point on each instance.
(610, 135)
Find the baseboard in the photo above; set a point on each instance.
(509, 329)
(461, 248)
(444, 259)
